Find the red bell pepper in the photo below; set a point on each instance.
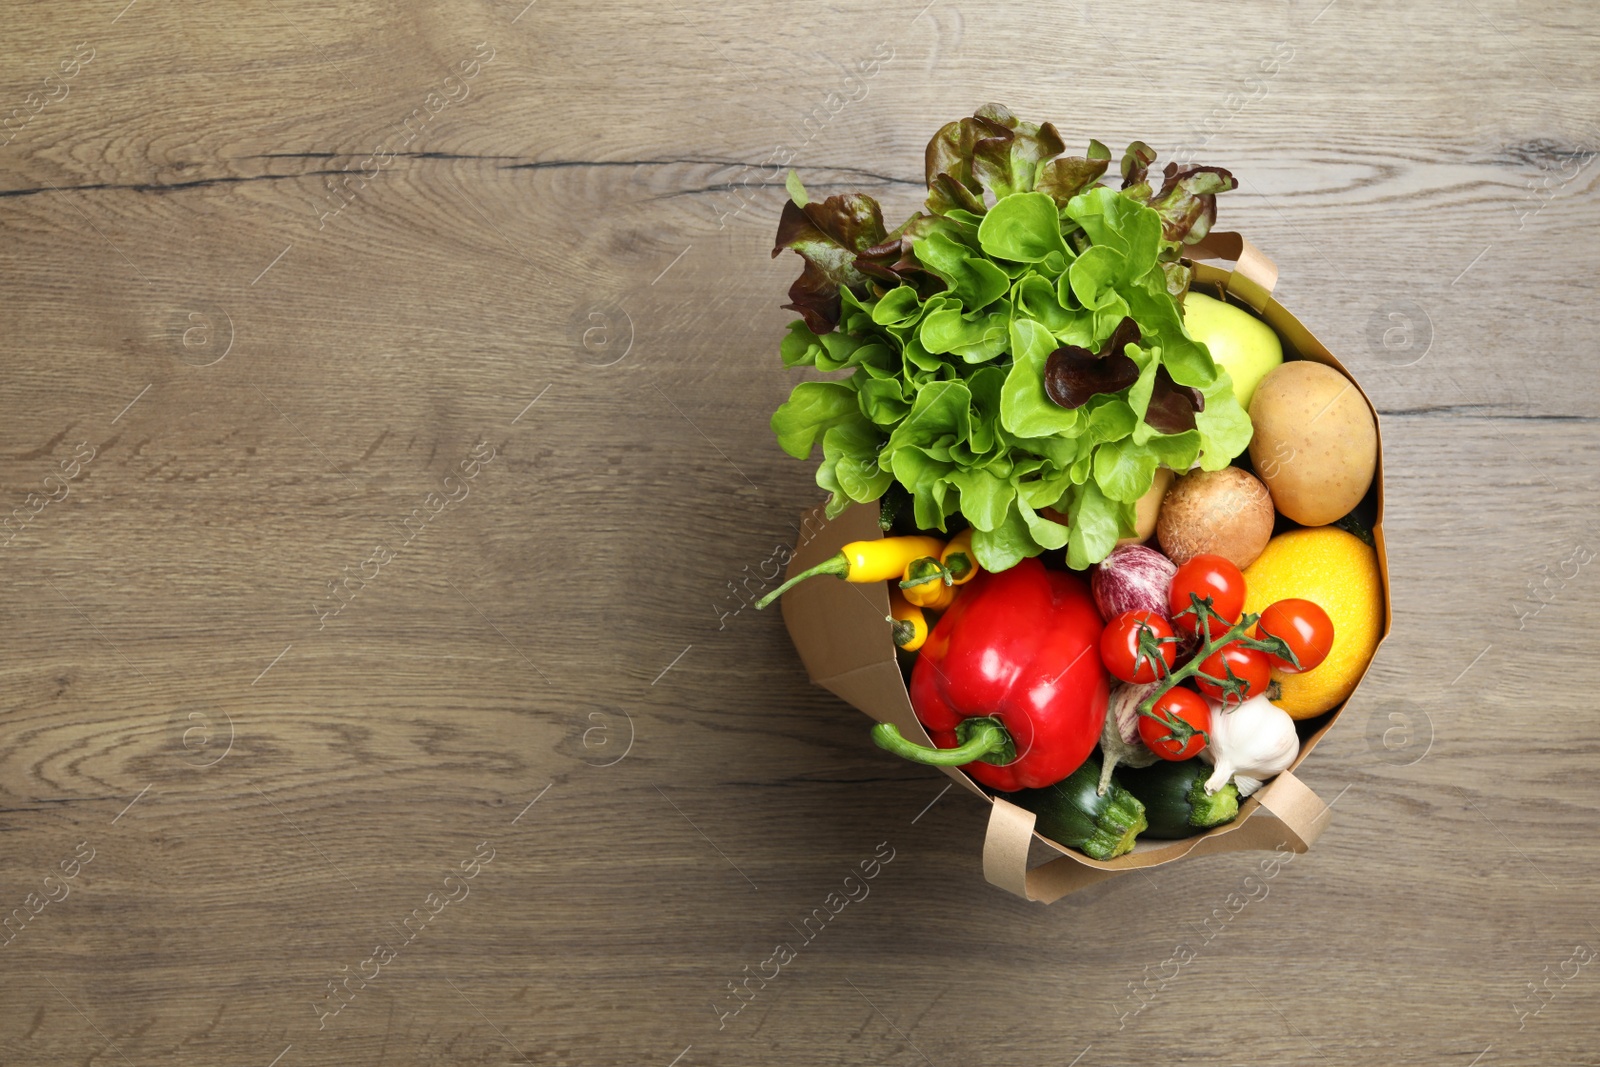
(1009, 684)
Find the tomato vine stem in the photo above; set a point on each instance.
(1233, 686)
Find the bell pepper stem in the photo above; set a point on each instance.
(838, 566)
(926, 570)
(981, 739)
(902, 630)
(957, 565)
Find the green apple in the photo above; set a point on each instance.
(1242, 344)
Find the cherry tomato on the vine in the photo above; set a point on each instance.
(1184, 704)
(1249, 665)
(1207, 576)
(1119, 647)
(1301, 625)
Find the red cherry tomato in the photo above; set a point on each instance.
(1184, 704)
(1207, 576)
(1304, 627)
(1119, 647)
(1251, 666)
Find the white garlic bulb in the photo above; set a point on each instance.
(1249, 743)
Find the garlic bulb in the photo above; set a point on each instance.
(1249, 743)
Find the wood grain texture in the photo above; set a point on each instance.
(277, 318)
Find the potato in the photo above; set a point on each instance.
(1148, 507)
(1315, 442)
(1225, 513)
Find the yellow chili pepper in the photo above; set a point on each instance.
(866, 561)
(926, 584)
(908, 624)
(958, 558)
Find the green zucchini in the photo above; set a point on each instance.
(1175, 799)
(1073, 813)
(893, 506)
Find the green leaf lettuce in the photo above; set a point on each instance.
(944, 327)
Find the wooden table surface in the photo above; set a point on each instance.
(385, 439)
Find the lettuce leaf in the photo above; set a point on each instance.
(1064, 178)
(1095, 521)
(986, 158)
(1187, 201)
(1224, 427)
(812, 408)
(829, 236)
(1024, 227)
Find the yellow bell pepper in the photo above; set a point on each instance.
(910, 626)
(958, 558)
(926, 584)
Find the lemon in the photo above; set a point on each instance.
(1339, 572)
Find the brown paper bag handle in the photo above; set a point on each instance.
(1254, 274)
(1291, 814)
